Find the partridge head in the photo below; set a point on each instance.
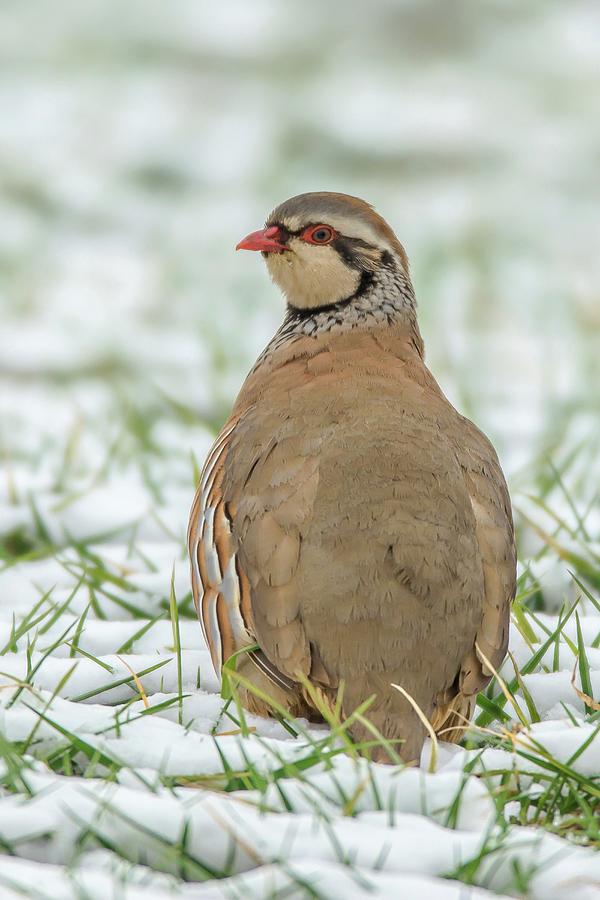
(322, 249)
(351, 530)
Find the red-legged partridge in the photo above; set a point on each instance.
(349, 521)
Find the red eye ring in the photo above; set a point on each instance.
(319, 234)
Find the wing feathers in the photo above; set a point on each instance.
(221, 594)
(252, 511)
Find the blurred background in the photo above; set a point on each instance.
(140, 141)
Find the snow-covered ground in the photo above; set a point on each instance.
(137, 143)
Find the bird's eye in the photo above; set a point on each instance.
(319, 234)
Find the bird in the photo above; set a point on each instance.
(351, 537)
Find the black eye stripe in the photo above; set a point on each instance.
(346, 250)
(343, 244)
(288, 233)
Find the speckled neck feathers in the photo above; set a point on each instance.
(384, 297)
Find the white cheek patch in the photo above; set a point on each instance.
(312, 276)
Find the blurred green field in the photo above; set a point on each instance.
(133, 157)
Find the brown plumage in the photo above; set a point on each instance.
(349, 520)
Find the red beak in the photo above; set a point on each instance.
(265, 240)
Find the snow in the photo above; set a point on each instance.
(98, 878)
(231, 833)
(399, 835)
(144, 143)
